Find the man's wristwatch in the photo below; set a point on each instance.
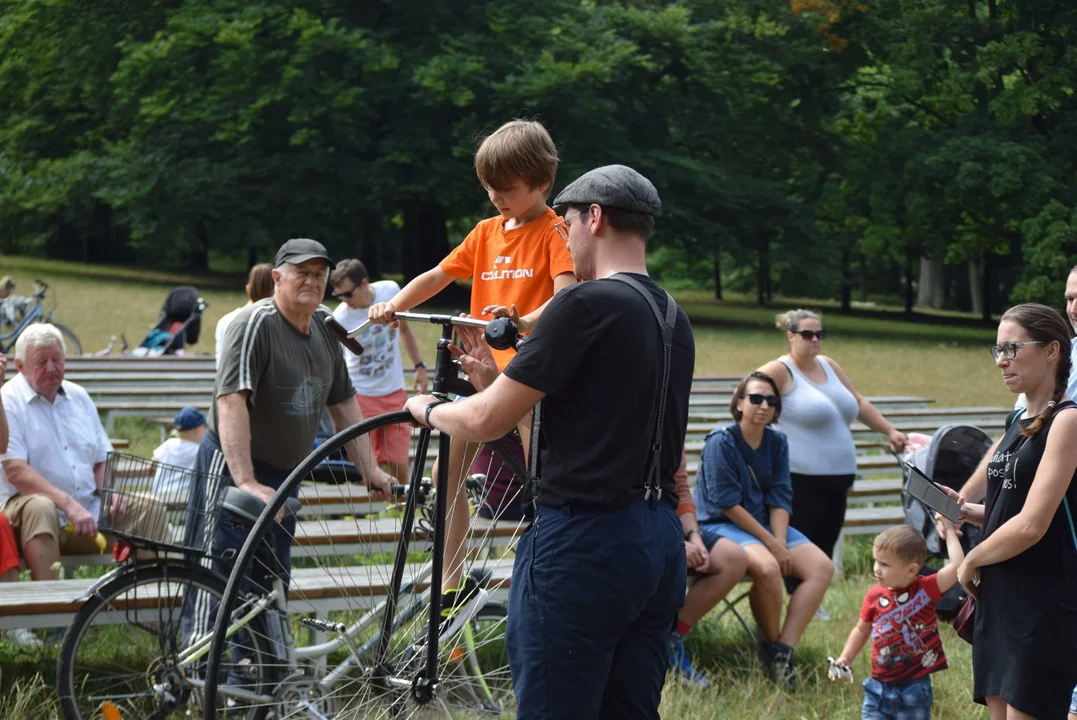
(431, 406)
(688, 535)
(419, 365)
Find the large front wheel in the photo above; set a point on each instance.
(343, 561)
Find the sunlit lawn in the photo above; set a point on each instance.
(946, 363)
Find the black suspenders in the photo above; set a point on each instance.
(665, 323)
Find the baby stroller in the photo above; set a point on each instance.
(948, 458)
(179, 324)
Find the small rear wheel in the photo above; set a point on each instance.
(123, 650)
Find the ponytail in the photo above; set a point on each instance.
(790, 321)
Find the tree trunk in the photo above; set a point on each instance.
(863, 278)
(988, 294)
(909, 293)
(372, 239)
(717, 274)
(846, 283)
(976, 285)
(198, 258)
(764, 271)
(932, 290)
(426, 238)
(252, 257)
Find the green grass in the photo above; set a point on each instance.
(722, 650)
(946, 362)
(883, 357)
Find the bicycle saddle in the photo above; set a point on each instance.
(249, 506)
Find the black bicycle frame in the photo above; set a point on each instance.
(444, 372)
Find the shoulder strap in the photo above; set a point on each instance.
(737, 440)
(666, 324)
(1069, 516)
(1014, 414)
(788, 370)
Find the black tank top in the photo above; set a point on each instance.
(1047, 570)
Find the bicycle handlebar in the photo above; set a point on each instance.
(501, 333)
(432, 319)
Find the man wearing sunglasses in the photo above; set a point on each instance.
(377, 374)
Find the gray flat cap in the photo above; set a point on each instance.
(613, 186)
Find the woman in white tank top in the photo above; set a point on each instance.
(819, 403)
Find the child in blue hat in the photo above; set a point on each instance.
(178, 451)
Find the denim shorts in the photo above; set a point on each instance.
(1073, 702)
(711, 532)
(897, 701)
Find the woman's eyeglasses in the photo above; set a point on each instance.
(1009, 350)
(810, 335)
(758, 398)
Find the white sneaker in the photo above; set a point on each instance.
(821, 614)
(23, 638)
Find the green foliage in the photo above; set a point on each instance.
(790, 140)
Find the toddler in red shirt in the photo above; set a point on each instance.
(898, 615)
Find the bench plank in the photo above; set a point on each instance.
(54, 603)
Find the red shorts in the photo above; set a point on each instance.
(9, 553)
(390, 443)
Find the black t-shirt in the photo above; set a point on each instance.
(596, 352)
(1026, 616)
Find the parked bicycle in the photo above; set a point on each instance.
(21, 312)
(357, 628)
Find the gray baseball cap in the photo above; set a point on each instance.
(612, 186)
(299, 250)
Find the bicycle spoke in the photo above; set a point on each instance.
(343, 546)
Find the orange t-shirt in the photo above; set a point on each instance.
(510, 266)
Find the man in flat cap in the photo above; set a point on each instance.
(600, 574)
(279, 368)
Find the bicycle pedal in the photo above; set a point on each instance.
(323, 625)
(456, 622)
(480, 577)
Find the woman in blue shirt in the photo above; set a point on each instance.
(744, 494)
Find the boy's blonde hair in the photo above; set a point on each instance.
(904, 541)
(518, 150)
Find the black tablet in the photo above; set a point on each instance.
(921, 488)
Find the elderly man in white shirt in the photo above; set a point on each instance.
(55, 460)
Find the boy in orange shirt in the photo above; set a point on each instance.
(517, 260)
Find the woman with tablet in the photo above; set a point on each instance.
(1024, 571)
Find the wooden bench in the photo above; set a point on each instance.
(54, 603)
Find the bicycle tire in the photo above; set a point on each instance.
(401, 636)
(75, 686)
(74, 347)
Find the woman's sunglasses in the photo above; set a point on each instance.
(810, 335)
(758, 398)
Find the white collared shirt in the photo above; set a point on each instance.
(62, 440)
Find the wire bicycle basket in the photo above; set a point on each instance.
(152, 505)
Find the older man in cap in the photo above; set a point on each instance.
(279, 368)
(600, 574)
